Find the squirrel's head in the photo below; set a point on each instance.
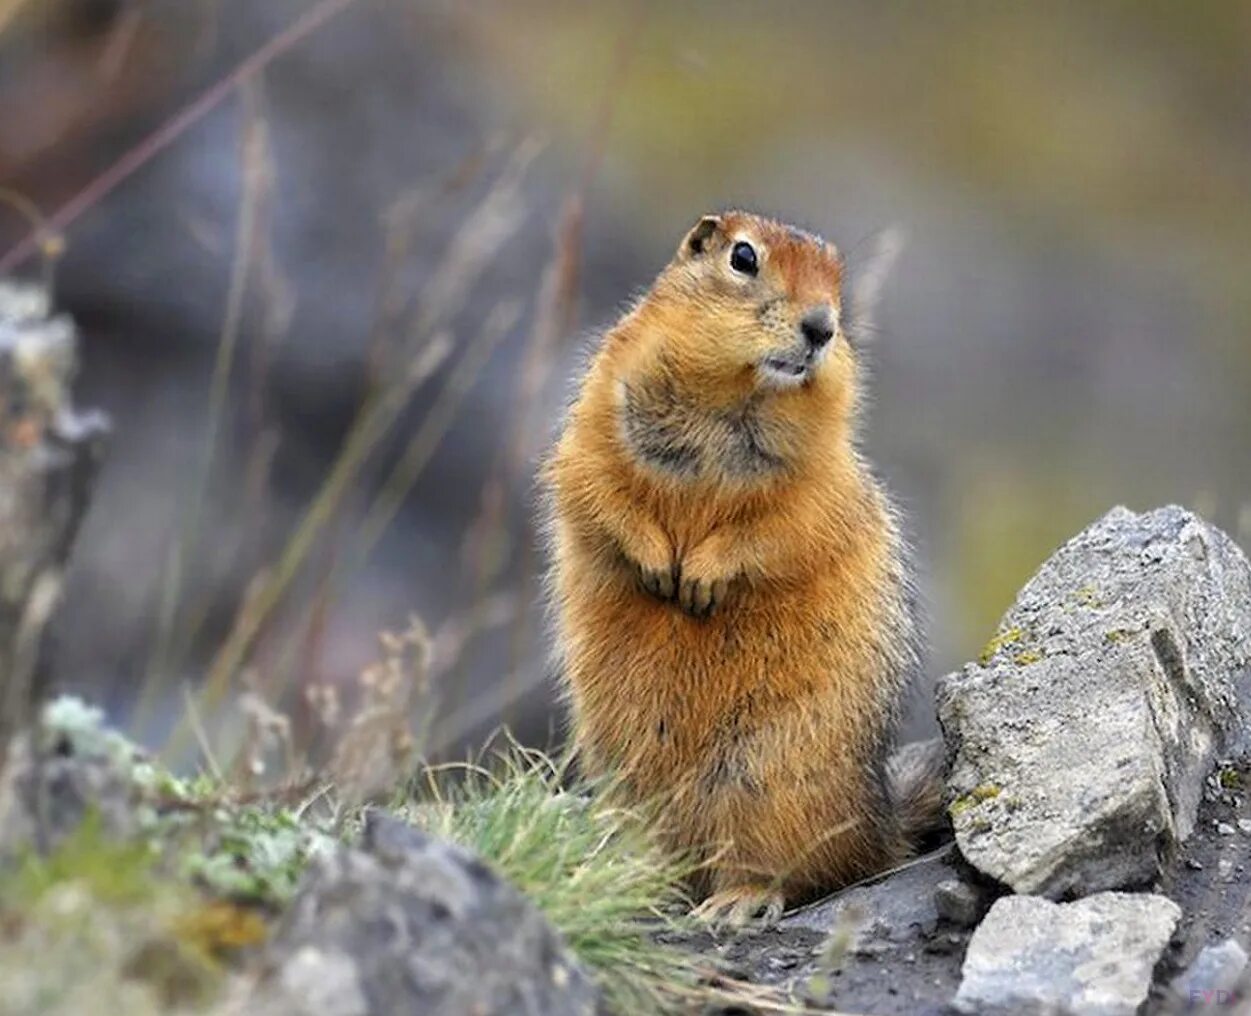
(736, 363)
(760, 304)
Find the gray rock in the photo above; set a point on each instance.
(1082, 739)
(48, 460)
(959, 902)
(1093, 957)
(411, 924)
(898, 909)
(1211, 979)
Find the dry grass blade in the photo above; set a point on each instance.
(471, 250)
(432, 430)
(374, 753)
(369, 428)
(741, 995)
(201, 735)
(257, 177)
(172, 129)
(51, 244)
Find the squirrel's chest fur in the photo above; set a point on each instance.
(666, 701)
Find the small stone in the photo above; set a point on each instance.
(1224, 828)
(870, 949)
(944, 943)
(784, 961)
(1244, 826)
(1216, 969)
(1094, 956)
(958, 902)
(1193, 864)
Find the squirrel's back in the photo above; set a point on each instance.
(734, 608)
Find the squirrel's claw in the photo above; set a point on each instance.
(742, 906)
(701, 597)
(661, 584)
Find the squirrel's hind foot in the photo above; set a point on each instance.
(742, 906)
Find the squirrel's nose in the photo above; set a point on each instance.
(817, 326)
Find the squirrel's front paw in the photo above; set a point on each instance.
(700, 597)
(661, 583)
(651, 556)
(705, 577)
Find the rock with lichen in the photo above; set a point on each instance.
(1082, 738)
(48, 459)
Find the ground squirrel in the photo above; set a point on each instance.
(734, 610)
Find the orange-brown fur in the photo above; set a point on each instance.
(732, 602)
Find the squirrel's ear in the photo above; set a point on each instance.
(700, 236)
(862, 289)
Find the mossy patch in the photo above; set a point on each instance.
(219, 929)
(93, 927)
(1229, 778)
(254, 854)
(1003, 640)
(112, 872)
(162, 922)
(1088, 596)
(978, 795)
(1012, 637)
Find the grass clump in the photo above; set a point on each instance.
(593, 870)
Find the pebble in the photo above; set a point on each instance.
(1216, 969)
(958, 902)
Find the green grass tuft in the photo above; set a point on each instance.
(593, 870)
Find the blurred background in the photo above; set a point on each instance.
(335, 265)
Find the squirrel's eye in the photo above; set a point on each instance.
(743, 258)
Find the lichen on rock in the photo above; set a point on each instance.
(1101, 745)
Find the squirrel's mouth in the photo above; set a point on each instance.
(787, 371)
